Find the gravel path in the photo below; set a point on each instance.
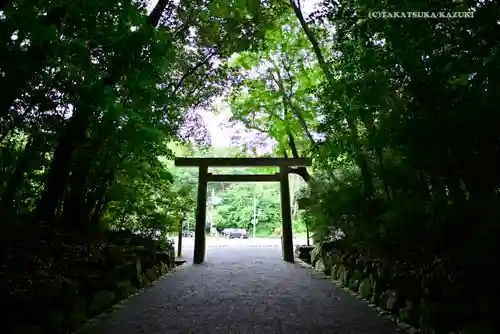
(244, 290)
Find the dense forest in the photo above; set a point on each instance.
(96, 99)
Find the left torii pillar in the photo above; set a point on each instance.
(201, 214)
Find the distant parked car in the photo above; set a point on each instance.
(187, 234)
(235, 233)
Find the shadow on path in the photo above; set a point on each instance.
(244, 290)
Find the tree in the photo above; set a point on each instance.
(97, 100)
(277, 96)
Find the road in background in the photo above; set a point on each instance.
(211, 242)
(217, 242)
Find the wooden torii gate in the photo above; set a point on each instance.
(204, 177)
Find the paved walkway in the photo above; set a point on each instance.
(244, 290)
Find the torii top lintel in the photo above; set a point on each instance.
(243, 162)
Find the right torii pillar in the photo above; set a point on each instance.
(286, 216)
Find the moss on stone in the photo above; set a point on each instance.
(392, 300)
(334, 271)
(320, 266)
(404, 312)
(151, 274)
(315, 254)
(101, 300)
(365, 288)
(139, 278)
(162, 268)
(78, 314)
(124, 288)
(384, 297)
(145, 280)
(355, 280)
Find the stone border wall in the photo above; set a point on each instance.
(64, 303)
(407, 300)
(120, 304)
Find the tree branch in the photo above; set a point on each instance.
(252, 127)
(155, 16)
(286, 66)
(288, 100)
(312, 38)
(183, 27)
(301, 171)
(193, 69)
(198, 85)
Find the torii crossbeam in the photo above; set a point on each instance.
(204, 177)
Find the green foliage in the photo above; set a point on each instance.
(236, 208)
(276, 96)
(96, 97)
(92, 95)
(411, 115)
(399, 117)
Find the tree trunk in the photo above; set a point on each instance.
(31, 149)
(96, 201)
(312, 39)
(74, 205)
(99, 209)
(288, 103)
(75, 133)
(307, 234)
(301, 171)
(361, 159)
(380, 158)
(61, 164)
(369, 123)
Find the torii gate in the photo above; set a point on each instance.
(204, 177)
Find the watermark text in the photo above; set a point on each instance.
(421, 15)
